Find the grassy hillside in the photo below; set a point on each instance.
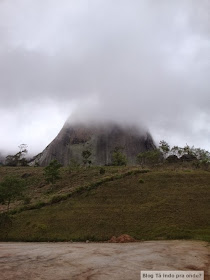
(38, 190)
(160, 204)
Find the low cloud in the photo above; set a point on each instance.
(133, 61)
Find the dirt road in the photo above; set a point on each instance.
(99, 261)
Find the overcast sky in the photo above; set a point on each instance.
(139, 61)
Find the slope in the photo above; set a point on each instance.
(156, 205)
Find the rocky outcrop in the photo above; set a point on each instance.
(188, 157)
(100, 140)
(172, 159)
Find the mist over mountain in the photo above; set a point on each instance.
(144, 62)
(99, 139)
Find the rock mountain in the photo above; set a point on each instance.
(100, 140)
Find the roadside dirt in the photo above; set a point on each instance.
(99, 261)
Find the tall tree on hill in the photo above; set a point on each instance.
(149, 157)
(19, 158)
(164, 148)
(11, 188)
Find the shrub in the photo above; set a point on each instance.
(144, 171)
(38, 205)
(102, 171)
(52, 172)
(57, 198)
(79, 190)
(119, 176)
(118, 158)
(73, 165)
(141, 181)
(26, 200)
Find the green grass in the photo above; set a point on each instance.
(39, 190)
(168, 205)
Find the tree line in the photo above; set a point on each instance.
(163, 153)
(12, 188)
(166, 154)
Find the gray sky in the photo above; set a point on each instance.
(139, 61)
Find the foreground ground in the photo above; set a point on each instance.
(100, 261)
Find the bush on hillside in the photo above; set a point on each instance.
(52, 172)
(118, 158)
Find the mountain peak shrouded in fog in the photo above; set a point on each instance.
(99, 139)
(133, 61)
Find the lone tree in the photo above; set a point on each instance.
(142, 159)
(52, 172)
(118, 158)
(11, 189)
(86, 157)
(19, 158)
(164, 148)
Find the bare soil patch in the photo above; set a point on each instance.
(99, 261)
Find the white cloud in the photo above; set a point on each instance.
(136, 61)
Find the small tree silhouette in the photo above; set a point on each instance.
(52, 172)
(11, 189)
(118, 158)
(18, 158)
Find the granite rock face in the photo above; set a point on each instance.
(100, 140)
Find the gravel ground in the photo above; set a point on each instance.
(99, 261)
